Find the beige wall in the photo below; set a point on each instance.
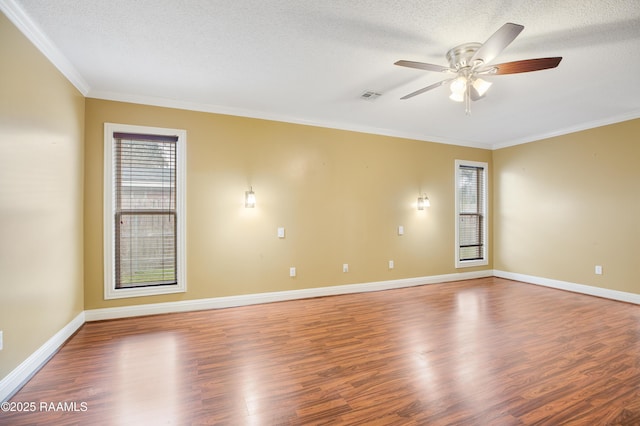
(41, 180)
(565, 204)
(560, 206)
(340, 196)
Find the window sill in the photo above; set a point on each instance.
(471, 263)
(124, 293)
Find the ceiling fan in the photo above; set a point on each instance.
(469, 61)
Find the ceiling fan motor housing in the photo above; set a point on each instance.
(460, 56)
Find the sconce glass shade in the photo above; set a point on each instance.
(249, 199)
(423, 202)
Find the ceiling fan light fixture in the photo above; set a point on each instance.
(458, 89)
(468, 61)
(481, 86)
(459, 85)
(457, 97)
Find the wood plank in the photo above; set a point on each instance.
(488, 351)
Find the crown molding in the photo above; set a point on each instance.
(263, 115)
(571, 129)
(32, 31)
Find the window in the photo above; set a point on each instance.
(144, 216)
(471, 214)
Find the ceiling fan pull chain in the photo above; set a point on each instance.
(467, 101)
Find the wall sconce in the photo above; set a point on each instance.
(249, 198)
(423, 201)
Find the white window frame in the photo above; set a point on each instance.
(110, 290)
(485, 213)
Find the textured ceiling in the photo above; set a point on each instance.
(308, 61)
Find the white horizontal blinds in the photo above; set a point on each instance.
(145, 210)
(471, 212)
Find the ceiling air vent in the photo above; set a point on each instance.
(370, 95)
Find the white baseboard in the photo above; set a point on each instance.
(279, 296)
(22, 373)
(573, 287)
(10, 384)
(16, 379)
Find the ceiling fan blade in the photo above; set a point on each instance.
(497, 42)
(426, 89)
(423, 66)
(526, 65)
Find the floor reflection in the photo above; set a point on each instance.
(145, 383)
(472, 349)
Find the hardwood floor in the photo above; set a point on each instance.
(479, 352)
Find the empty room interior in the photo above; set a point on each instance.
(292, 212)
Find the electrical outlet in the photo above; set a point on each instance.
(400, 230)
(1, 340)
(598, 269)
(345, 267)
(292, 271)
(280, 232)
(391, 264)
